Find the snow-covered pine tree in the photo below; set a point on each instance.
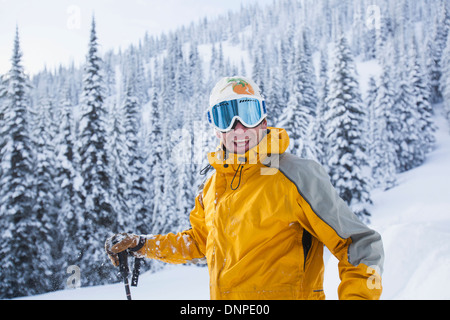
(132, 122)
(214, 63)
(258, 69)
(370, 102)
(165, 216)
(110, 74)
(46, 201)
(309, 92)
(308, 74)
(436, 47)
(381, 151)
(98, 217)
(118, 168)
(421, 95)
(284, 67)
(168, 218)
(295, 120)
(358, 31)
(181, 82)
(371, 35)
(180, 159)
(3, 93)
(220, 61)
(410, 153)
(318, 134)
(273, 96)
(301, 108)
(142, 206)
(386, 29)
(66, 180)
(156, 161)
(346, 120)
(445, 84)
(22, 268)
(142, 83)
(199, 103)
(386, 98)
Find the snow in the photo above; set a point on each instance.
(412, 218)
(175, 282)
(414, 222)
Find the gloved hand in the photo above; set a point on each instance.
(121, 242)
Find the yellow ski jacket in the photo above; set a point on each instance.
(262, 219)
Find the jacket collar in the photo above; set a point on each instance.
(276, 141)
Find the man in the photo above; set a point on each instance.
(263, 216)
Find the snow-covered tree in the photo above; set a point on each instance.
(370, 102)
(408, 144)
(98, 217)
(445, 84)
(118, 167)
(381, 151)
(346, 121)
(181, 158)
(45, 204)
(132, 125)
(3, 94)
(301, 108)
(436, 47)
(258, 69)
(421, 95)
(67, 180)
(155, 163)
(319, 126)
(23, 266)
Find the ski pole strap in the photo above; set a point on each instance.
(136, 271)
(141, 243)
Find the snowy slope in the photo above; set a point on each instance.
(413, 219)
(172, 283)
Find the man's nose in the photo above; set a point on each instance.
(239, 128)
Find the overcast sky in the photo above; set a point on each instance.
(54, 32)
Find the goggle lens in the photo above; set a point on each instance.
(248, 110)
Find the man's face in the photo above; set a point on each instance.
(240, 139)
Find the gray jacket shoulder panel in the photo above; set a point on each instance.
(314, 185)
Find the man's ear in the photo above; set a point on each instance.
(218, 135)
(264, 123)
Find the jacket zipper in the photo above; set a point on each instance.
(306, 243)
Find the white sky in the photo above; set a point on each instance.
(54, 32)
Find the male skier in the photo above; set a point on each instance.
(262, 218)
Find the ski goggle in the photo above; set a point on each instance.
(249, 111)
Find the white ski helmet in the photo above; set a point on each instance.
(230, 88)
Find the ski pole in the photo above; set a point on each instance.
(123, 268)
(136, 270)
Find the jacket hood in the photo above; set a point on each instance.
(276, 141)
